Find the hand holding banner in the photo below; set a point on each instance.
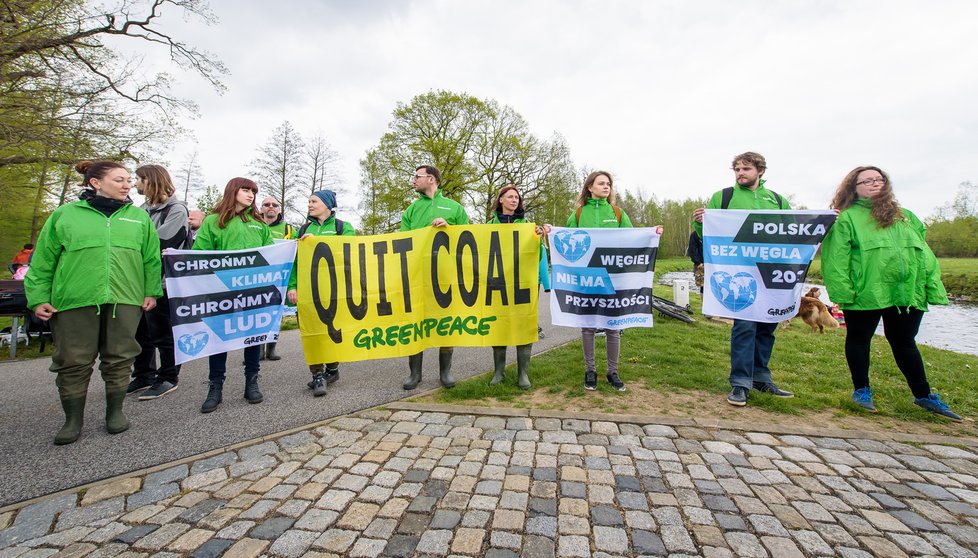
(757, 261)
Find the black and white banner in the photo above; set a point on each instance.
(602, 278)
(226, 300)
(757, 260)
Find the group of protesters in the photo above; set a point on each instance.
(96, 277)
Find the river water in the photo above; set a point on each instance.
(953, 327)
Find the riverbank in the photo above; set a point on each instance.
(678, 369)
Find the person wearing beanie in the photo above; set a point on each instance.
(322, 221)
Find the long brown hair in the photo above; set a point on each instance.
(496, 205)
(227, 208)
(159, 185)
(886, 208)
(586, 194)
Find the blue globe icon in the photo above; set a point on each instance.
(572, 244)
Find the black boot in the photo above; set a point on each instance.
(414, 363)
(332, 374)
(74, 417)
(523, 365)
(252, 392)
(270, 353)
(214, 397)
(115, 420)
(315, 369)
(319, 385)
(445, 369)
(499, 361)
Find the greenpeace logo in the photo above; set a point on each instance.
(781, 311)
(130, 220)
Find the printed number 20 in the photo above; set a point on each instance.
(786, 276)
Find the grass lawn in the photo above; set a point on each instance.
(959, 275)
(678, 369)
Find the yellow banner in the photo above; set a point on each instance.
(389, 295)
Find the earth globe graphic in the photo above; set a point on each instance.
(572, 245)
(735, 292)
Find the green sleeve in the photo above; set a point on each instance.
(406, 218)
(785, 203)
(626, 223)
(205, 236)
(461, 217)
(348, 229)
(572, 220)
(40, 275)
(936, 293)
(714, 203)
(293, 279)
(152, 272)
(837, 261)
(266, 236)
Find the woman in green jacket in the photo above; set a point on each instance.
(508, 208)
(234, 225)
(322, 222)
(595, 209)
(876, 264)
(95, 270)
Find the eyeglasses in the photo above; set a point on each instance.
(420, 176)
(871, 181)
(270, 205)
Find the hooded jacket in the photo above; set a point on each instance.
(870, 268)
(744, 198)
(84, 258)
(315, 228)
(170, 219)
(424, 210)
(280, 229)
(598, 214)
(499, 219)
(237, 235)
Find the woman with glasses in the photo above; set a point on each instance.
(234, 225)
(508, 208)
(876, 264)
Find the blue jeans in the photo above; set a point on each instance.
(219, 364)
(751, 344)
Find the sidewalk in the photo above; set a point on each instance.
(413, 480)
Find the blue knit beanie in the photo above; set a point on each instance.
(328, 197)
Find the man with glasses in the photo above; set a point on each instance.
(271, 212)
(432, 209)
(751, 343)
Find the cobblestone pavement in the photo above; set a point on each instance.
(405, 481)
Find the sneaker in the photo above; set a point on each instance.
(864, 398)
(934, 404)
(773, 389)
(139, 384)
(738, 396)
(159, 389)
(590, 380)
(332, 374)
(614, 380)
(319, 385)
(540, 333)
(599, 333)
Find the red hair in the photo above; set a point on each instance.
(227, 208)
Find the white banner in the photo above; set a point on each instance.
(602, 278)
(226, 300)
(757, 260)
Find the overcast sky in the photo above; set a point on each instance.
(660, 93)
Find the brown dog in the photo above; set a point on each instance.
(815, 313)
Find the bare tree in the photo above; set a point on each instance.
(190, 176)
(321, 161)
(279, 166)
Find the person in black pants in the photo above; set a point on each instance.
(170, 216)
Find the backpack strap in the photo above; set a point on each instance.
(617, 213)
(725, 196)
(778, 197)
(339, 227)
(289, 230)
(302, 230)
(578, 216)
(614, 207)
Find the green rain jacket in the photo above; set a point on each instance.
(544, 269)
(237, 235)
(424, 210)
(598, 214)
(315, 228)
(84, 258)
(869, 268)
(745, 198)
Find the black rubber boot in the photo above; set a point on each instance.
(214, 397)
(270, 353)
(445, 369)
(414, 363)
(115, 420)
(523, 365)
(499, 361)
(74, 418)
(252, 392)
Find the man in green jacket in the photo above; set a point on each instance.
(434, 210)
(274, 217)
(751, 343)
